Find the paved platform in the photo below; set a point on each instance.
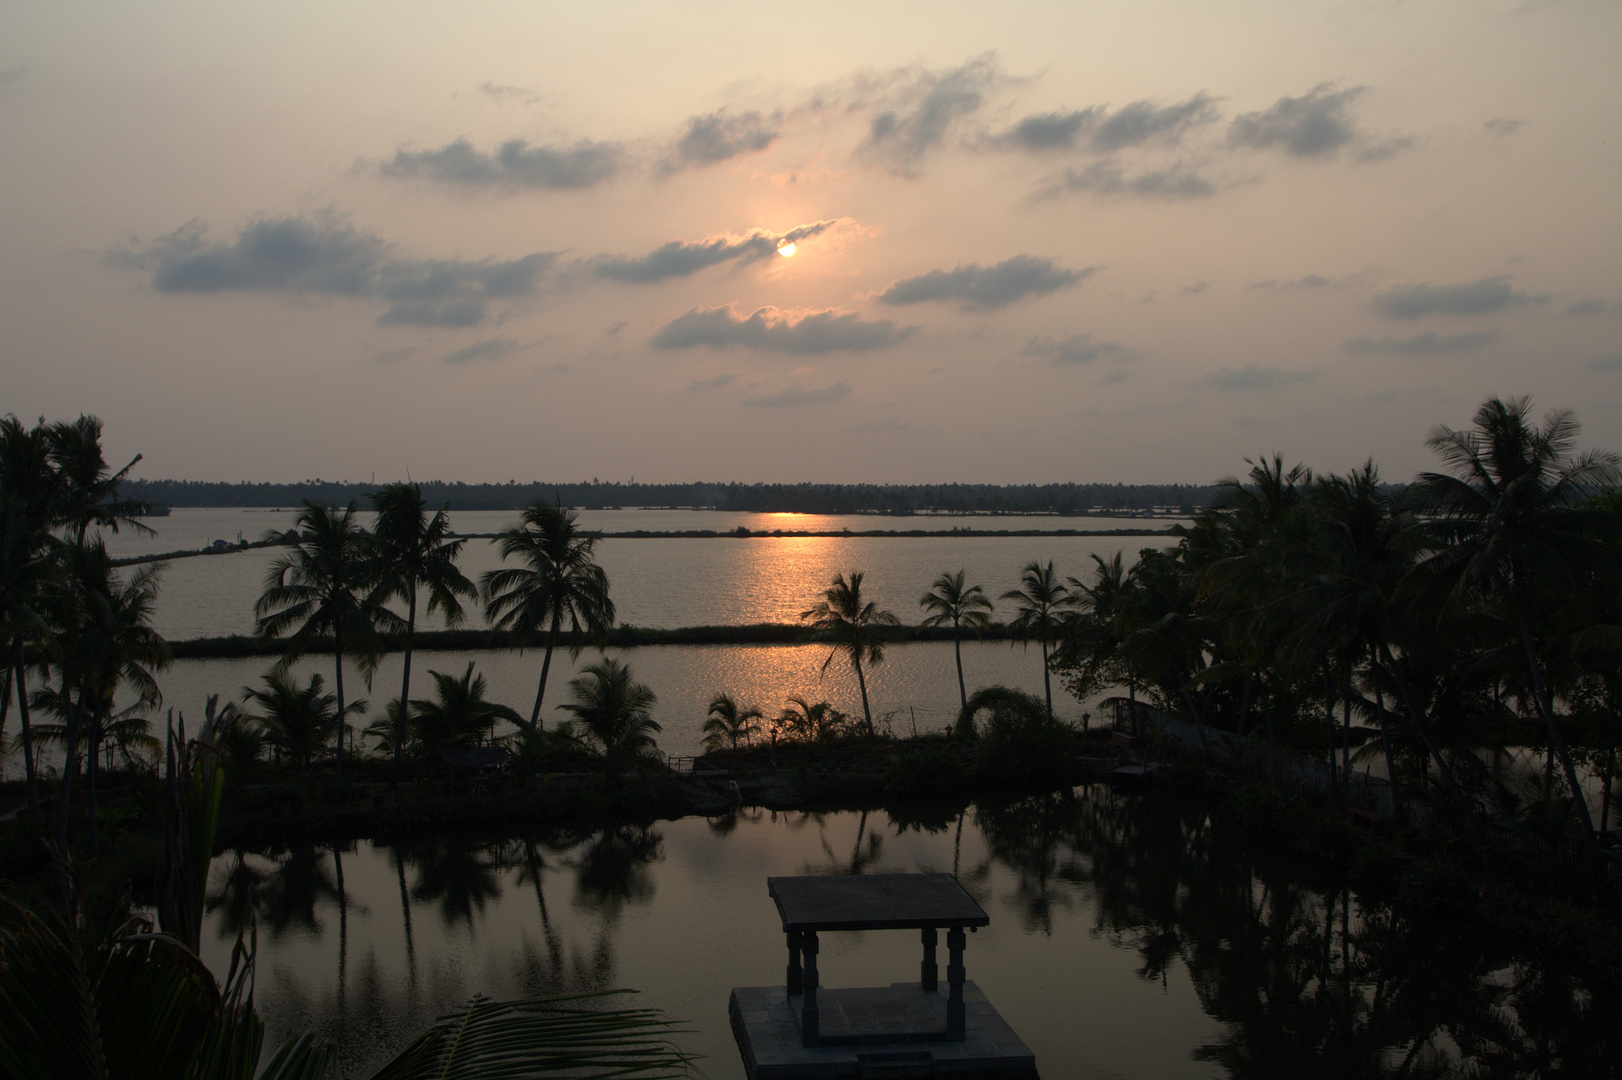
(885, 1026)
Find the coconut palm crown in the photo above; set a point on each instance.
(856, 628)
(559, 583)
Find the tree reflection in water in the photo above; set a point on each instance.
(1307, 980)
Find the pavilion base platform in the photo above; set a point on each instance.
(874, 1032)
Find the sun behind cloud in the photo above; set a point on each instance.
(785, 248)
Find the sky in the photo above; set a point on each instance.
(1032, 242)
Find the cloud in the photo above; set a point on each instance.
(781, 330)
(1314, 125)
(488, 349)
(1612, 362)
(1196, 288)
(324, 255)
(1467, 298)
(679, 258)
(1103, 132)
(514, 164)
(1255, 377)
(1049, 131)
(926, 111)
(1076, 349)
(1592, 306)
(719, 137)
(521, 94)
(1106, 178)
(12, 74)
(700, 385)
(986, 288)
(1308, 281)
(1502, 126)
(1428, 342)
(795, 396)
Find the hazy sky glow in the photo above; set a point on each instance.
(1033, 242)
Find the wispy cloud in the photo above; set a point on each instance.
(1502, 125)
(780, 330)
(720, 136)
(1480, 297)
(1593, 306)
(1100, 131)
(1318, 124)
(1420, 344)
(986, 288)
(521, 95)
(698, 386)
(1254, 377)
(1077, 349)
(324, 255)
(678, 258)
(925, 110)
(796, 396)
(488, 349)
(1176, 181)
(514, 164)
(1612, 362)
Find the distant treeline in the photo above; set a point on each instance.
(758, 498)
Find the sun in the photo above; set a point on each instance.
(785, 248)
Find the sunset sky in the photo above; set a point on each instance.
(1034, 242)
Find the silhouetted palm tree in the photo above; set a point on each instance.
(856, 627)
(296, 720)
(320, 587)
(613, 712)
(412, 551)
(1042, 599)
(558, 582)
(460, 715)
(1507, 526)
(950, 601)
(729, 723)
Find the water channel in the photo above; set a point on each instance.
(1130, 936)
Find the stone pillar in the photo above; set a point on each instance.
(956, 1022)
(793, 963)
(928, 974)
(810, 1017)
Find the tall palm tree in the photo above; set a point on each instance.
(1506, 527)
(856, 627)
(558, 582)
(411, 551)
(1042, 600)
(728, 723)
(321, 587)
(949, 600)
(26, 570)
(86, 492)
(101, 641)
(614, 711)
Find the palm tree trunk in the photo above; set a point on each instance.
(1047, 685)
(546, 666)
(91, 763)
(957, 651)
(70, 762)
(1545, 704)
(405, 683)
(20, 666)
(861, 681)
(343, 717)
(1385, 739)
(1442, 768)
(405, 915)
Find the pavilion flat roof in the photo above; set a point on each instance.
(873, 902)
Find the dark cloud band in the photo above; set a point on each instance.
(776, 330)
(514, 164)
(986, 288)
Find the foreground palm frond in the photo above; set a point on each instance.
(542, 1037)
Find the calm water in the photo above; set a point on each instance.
(1128, 938)
(658, 582)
